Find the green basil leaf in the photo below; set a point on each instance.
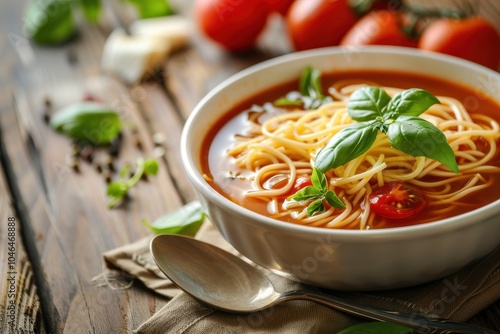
(91, 9)
(417, 137)
(281, 102)
(117, 189)
(315, 207)
(124, 171)
(153, 8)
(186, 221)
(411, 102)
(305, 80)
(367, 103)
(348, 144)
(333, 200)
(307, 194)
(319, 182)
(49, 21)
(88, 121)
(151, 167)
(377, 328)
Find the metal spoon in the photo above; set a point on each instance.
(228, 283)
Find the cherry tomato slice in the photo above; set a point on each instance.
(300, 183)
(397, 200)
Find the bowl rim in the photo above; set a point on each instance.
(413, 231)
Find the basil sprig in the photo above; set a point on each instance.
(311, 92)
(318, 193)
(118, 190)
(374, 110)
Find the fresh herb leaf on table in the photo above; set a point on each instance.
(311, 92)
(186, 221)
(318, 193)
(152, 8)
(117, 190)
(93, 122)
(374, 110)
(91, 9)
(51, 22)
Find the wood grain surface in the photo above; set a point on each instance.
(63, 222)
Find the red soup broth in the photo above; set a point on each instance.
(234, 122)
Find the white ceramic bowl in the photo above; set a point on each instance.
(343, 259)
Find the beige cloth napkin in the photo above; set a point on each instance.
(457, 297)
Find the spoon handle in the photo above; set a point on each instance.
(423, 324)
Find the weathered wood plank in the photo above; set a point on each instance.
(72, 224)
(20, 310)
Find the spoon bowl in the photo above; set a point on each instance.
(228, 283)
(212, 275)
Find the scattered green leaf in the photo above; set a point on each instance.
(311, 92)
(153, 8)
(318, 193)
(91, 9)
(117, 190)
(49, 21)
(88, 121)
(377, 328)
(186, 221)
(398, 118)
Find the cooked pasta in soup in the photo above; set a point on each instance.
(297, 153)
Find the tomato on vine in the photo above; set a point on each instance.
(474, 39)
(279, 6)
(235, 25)
(397, 200)
(319, 23)
(381, 27)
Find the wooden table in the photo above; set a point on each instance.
(60, 216)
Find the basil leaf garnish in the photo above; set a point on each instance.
(411, 102)
(346, 145)
(417, 137)
(318, 193)
(307, 193)
(374, 110)
(333, 200)
(318, 180)
(310, 94)
(316, 207)
(367, 103)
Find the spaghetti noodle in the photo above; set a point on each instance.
(284, 147)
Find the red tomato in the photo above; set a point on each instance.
(279, 6)
(396, 200)
(474, 39)
(382, 27)
(234, 24)
(319, 23)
